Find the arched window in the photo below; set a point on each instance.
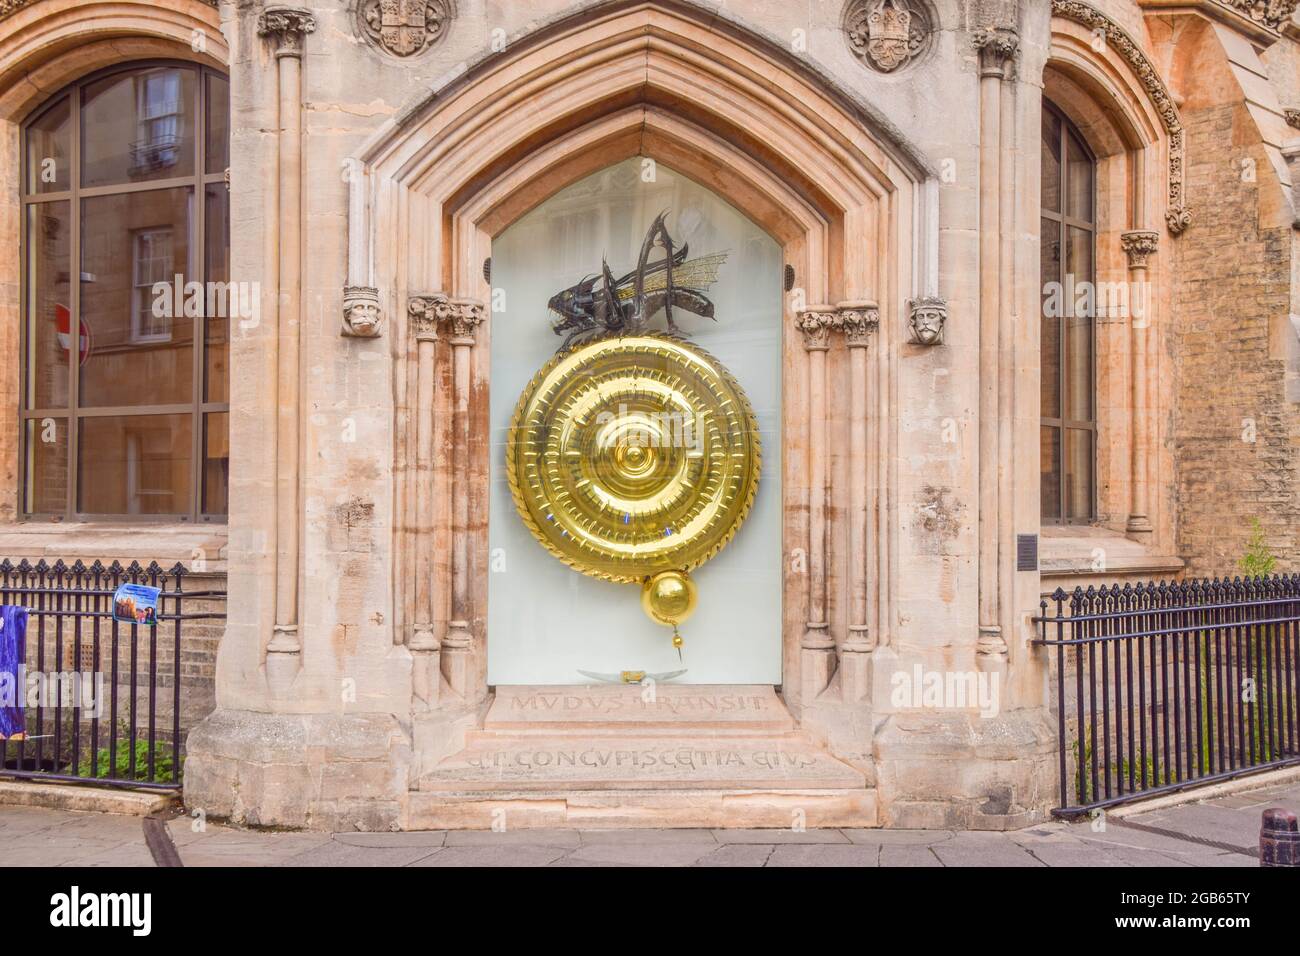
(1068, 343)
(126, 297)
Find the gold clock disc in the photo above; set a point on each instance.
(629, 456)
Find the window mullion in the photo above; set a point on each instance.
(74, 296)
(199, 243)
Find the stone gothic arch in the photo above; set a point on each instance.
(853, 206)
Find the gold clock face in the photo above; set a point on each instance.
(634, 455)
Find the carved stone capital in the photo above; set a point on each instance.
(426, 311)
(928, 317)
(1139, 246)
(286, 27)
(858, 320)
(361, 312)
(462, 318)
(997, 48)
(816, 324)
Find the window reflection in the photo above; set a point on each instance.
(1067, 343)
(124, 366)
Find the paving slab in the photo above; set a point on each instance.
(738, 854)
(538, 837)
(780, 836)
(503, 855)
(643, 854)
(824, 854)
(341, 854)
(648, 837)
(910, 855)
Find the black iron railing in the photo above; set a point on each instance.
(103, 700)
(1161, 687)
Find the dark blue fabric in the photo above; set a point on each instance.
(13, 652)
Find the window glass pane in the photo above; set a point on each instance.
(137, 126)
(1078, 473)
(45, 469)
(1079, 326)
(218, 120)
(49, 149)
(1078, 180)
(134, 465)
(140, 338)
(1051, 161)
(49, 301)
(216, 246)
(1053, 303)
(216, 462)
(1049, 458)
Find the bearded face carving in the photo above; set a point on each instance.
(361, 312)
(929, 316)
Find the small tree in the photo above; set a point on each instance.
(1258, 561)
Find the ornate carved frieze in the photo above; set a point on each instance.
(887, 34)
(404, 27)
(927, 319)
(1177, 216)
(286, 27)
(1292, 117)
(1139, 246)
(1273, 14)
(361, 312)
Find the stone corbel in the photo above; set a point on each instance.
(927, 320)
(361, 312)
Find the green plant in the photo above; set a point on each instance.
(164, 769)
(1258, 560)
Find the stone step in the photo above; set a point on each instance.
(527, 762)
(604, 809)
(632, 708)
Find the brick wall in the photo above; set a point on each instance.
(1231, 282)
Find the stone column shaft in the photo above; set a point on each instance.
(424, 313)
(1139, 246)
(287, 27)
(860, 321)
(463, 319)
(996, 49)
(817, 646)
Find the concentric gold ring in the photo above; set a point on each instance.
(629, 456)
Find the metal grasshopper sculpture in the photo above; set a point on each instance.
(602, 305)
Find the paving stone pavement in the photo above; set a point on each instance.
(1219, 831)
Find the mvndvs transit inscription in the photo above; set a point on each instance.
(639, 702)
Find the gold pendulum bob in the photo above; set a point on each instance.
(669, 598)
(635, 459)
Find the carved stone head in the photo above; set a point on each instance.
(929, 316)
(361, 311)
